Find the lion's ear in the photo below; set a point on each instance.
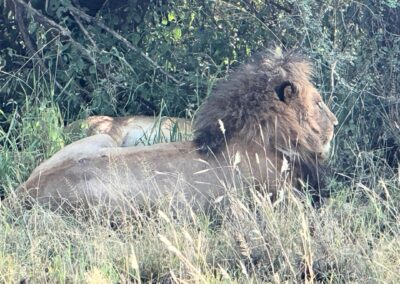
(285, 91)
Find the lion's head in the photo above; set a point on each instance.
(270, 96)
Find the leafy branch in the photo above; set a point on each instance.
(45, 21)
(127, 43)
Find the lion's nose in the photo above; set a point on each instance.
(331, 115)
(335, 121)
(333, 118)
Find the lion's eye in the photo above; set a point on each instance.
(320, 105)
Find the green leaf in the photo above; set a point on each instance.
(32, 27)
(248, 50)
(177, 33)
(92, 69)
(105, 59)
(171, 16)
(192, 17)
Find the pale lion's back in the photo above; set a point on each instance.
(132, 130)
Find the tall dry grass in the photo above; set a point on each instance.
(353, 237)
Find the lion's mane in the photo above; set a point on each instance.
(246, 101)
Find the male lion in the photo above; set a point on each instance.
(132, 130)
(265, 116)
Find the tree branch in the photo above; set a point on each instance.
(30, 45)
(42, 19)
(38, 16)
(85, 32)
(280, 7)
(129, 45)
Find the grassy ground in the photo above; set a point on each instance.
(353, 237)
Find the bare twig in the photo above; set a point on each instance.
(129, 45)
(84, 30)
(228, 4)
(280, 7)
(38, 16)
(42, 19)
(67, 33)
(30, 45)
(333, 67)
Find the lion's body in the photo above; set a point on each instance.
(266, 124)
(105, 172)
(132, 130)
(95, 171)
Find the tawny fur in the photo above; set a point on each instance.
(265, 126)
(132, 130)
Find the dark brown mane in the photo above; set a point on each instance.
(245, 99)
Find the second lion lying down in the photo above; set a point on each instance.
(266, 113)
(132, 130)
